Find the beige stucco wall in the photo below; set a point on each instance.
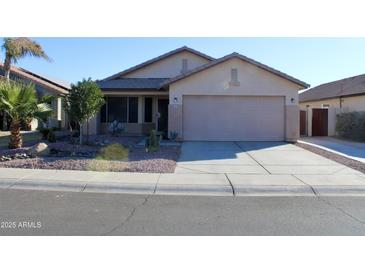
(58, 117)
(253, 82)
(348, 104)
(356, 103)
(318, 104)
(168, 67)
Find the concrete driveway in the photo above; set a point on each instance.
(254, 158)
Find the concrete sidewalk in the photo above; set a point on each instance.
(184, 184)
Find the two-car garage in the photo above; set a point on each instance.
(233, 118)
(234, 99)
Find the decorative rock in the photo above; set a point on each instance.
(40, 149)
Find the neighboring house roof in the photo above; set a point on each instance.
(242, 57)
(163, 56)
(345, 87)
(132, 83)
(54, 85)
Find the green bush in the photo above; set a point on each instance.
(113, 152)
(351, 125)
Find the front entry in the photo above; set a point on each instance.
(163, 108)
(319, 122)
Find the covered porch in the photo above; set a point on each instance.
(139, 113)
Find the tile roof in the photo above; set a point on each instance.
(242, 57)
(345, 87)
(132, 83)
(158, 58)
(55, 85)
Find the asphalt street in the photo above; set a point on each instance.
(34, 212)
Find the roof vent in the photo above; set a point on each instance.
(184, 67)
(234, 77)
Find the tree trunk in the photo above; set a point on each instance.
(5, 121)
(7, 64)
(71, 133)
(87, 132)
(16, 140)
(80, 134)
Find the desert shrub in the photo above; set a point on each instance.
(153, 141)
(351, 125)
(173, 135)
(115, 128)
(113, 152)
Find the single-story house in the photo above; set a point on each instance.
(320, 105)
(192, 95)
(44, 86)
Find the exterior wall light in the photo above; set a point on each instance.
(292, 100)
(175, 99)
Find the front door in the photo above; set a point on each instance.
(163, 108)
(319, 122)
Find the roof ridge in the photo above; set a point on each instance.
(36, 77)
(158, 58)
(337, 81)
(343, 87)
(242, 57)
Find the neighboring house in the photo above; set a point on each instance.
(197, 97)
(43, 86)
(320, 105)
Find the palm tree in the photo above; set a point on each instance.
(16, 48)
(20, 102)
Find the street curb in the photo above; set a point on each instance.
(120, 188)
(206, 190)
(56, 185)
(189, 190)
(267, 190)
(329, 190)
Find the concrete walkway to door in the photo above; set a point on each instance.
(353, 150)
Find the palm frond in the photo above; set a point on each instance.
(19, 47)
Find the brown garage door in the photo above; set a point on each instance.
(233, 118)
(319, 122)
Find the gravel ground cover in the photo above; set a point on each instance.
(335, 157)
(66, 156)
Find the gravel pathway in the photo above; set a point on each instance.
(335, 157)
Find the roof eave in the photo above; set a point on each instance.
(158, 58)
(244, 58)
(332, 97)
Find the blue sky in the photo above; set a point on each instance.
(313, 60)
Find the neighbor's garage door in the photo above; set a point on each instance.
(233, 118)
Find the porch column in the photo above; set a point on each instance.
(140, 109)
(175, 120)
(331, 121)
(309, 121)
(292, 123)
